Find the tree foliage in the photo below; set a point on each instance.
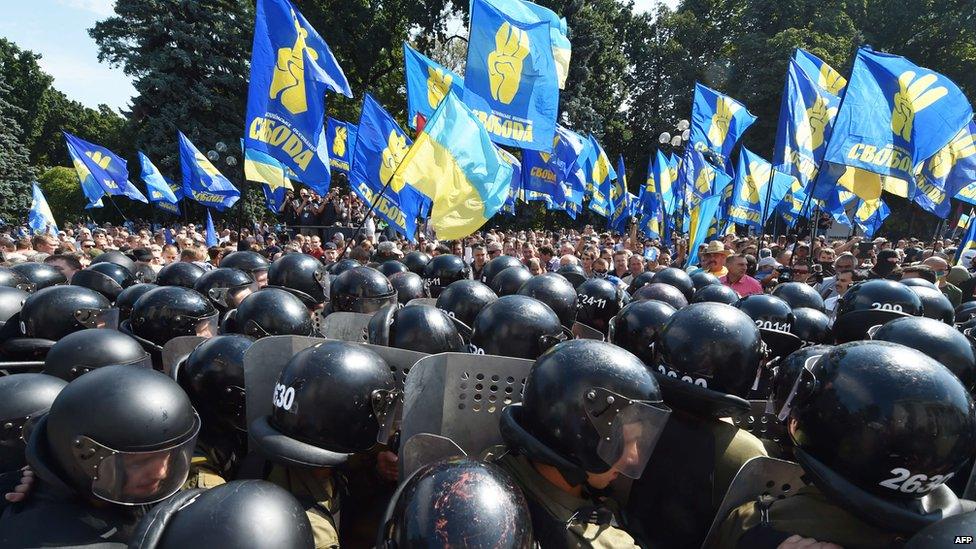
(16, 172)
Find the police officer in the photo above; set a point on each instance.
(301, 275)
(250, 262)
(81, 352)
(418, 328)
(517, 326)
(167, 312)
(23, 397)
(464, 299)
(361, 290)
(591, 412)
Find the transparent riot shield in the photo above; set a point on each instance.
(429, 301)
(346, 326)
(177, 349)
(424, 448)
(582, 331)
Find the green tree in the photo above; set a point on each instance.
(63, 194)
(16, 172)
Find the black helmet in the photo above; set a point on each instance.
(108, 279)
(39, 275)
(342, 266)
(361, 290)
(716, 293)
(496, 266)
(712, 347)
(273, 311)
(213, 377)
(636, 327)
(55, 312)
(573, 273)
(117, 258)
(812, 326)
(878, 426)
(464, 299)
(944, 533)
(408, 286)
(114, 432)
(12, 279)
(416, 262)
(11, 301)
(442, 270)
(510, 280)
(935, 304)
(302, 275)
(700, 279)
(225, 287)
(937, 340)
(579, 400)
(677, 278)
(241, 513)
(22, 398)
(786, 378)
(515, 326)
(420, 328)
(556, 292)
(83, 351)
(775, 320)
(599, 301)
(172, 311)
(180, 273)
(797, 294)
(918, 283)
(965, 311)
(661, 292)
(128, 298)
(457, 503)
(249, 262)
(391, 267)
(331, 401)
(640, 281)
(870, 303)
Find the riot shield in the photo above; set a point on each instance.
(459, 396)
(177, 349)
(760, 423)
(430, 301)
(582, 331)
(424, 448)
(346, 326)
(760, 476)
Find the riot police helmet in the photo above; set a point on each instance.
(117, 258)
(442, 270)
(273, 311)
(213, 377)
(342, 266)
(108, 279)
(936, 339)
(555, 291)
(39, 275)
(812, 326)
(517, 326)
(640, 281)
(716, 293)
(249, 262)
(464, 299)
(420, 328)
(12, 279)
(637, 326)
(573, 273)
(301, 275)
(775, 320)
(391, 267)
(510, 280)
(172, 311)
(56, 311)
(361, 290)
(180, 273)
(225, 287)
(23, 397)
(497, 265)
(81, 352)
(700, 279)
(599, 301)
(128, 298)
(677, 278)
(408, 286)
(935, 304)
(870, 303)
(797, 294)
(11, 301)
(416, 261)
(659, 291)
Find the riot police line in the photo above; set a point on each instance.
(405, 404)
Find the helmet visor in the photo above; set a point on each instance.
(629, 429)
(98, 318)
(136, 478)
(803, 382)
(372, 304)
(230, 298)
(207, 326)
(388, 409)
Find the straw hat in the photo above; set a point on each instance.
(716, 247)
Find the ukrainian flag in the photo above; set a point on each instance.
(968, 241)
(454, 163)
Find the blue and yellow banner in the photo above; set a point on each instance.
(894, 116)
(700, 219)
(455, 164)
(529, 12)
(510, 78)
(748, 203)
(601, 177)
(271, 174)
(701, 179)
(341, 137)
(100, 171)
(39, 217)
(968, 241)
(161, 193)
(380, 147)
(210, 234)
(427, 83)
(717, 123)
(870, 215)
(291, 70)
(202, 181)
(825, 77)
(950, 171)
(555, 173)
(664, 180)
(516, 185)
(620, 204)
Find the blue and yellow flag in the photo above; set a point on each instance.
(291, 70)
(894, 115)
(454, 163)
(516, 184)
(820, 73)
(210, 234)
(968, 241)
(601, 178)
(951, 170)
(620, 205)
(527, 12)
(341, 137)
(271, 174)
(39, 217)
(870, 215)
(161, 193)
(717, 123)
(510, 78)
(100, 171)
(701, 178)
(202, 181)
(570, 152)
(665, 181)
(700, 220)
(748, 204)
(542, 174)
(428, 82)
(380, 147)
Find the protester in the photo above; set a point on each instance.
(737, 279)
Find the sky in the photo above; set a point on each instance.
(58, 30)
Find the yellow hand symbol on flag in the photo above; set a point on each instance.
(396, 149)
(757, 178)
(831, 80)
(339, 143)
(913, 96)
(100, 159)
(289, 73)
(725, 109)
(438, 84)
(205, 164)
(505, 62)
(83, 171)
(810, 132)
(545, 156)
(704, 180)
(961, 146)
(600, 170)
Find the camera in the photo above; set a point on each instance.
(785, 275)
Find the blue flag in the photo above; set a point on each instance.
(601, 177)
(271, 174)
(752, 179)
(542, 174)
(894, 115)
(529, 12)
(291, 70)
(569, 151)
(516, 184)
(380, 146)
(201, 179)
(870, 215)
(819, 72)
(100, 171)
(168, 236)
(39, 218)
(161, 194)
(510, 78)
(619, 200)
(700, 220)
(342, 141)
(951, 170)
(211, 234)
(428, 82)
(717, 123)
(701, 178)
(664, 182)
(968, 241)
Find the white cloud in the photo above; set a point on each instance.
(101, 8)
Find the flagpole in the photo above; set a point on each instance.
(124, 218)
(765, 210)
(362, 223)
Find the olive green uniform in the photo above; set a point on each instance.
(808, 514)
(319, 498)
(560, 519)
(674, 502)
(203, 474)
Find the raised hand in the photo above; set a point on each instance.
(505, 62)
(438, 84)
(719, 129)
(913, 96)
(339, 143)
